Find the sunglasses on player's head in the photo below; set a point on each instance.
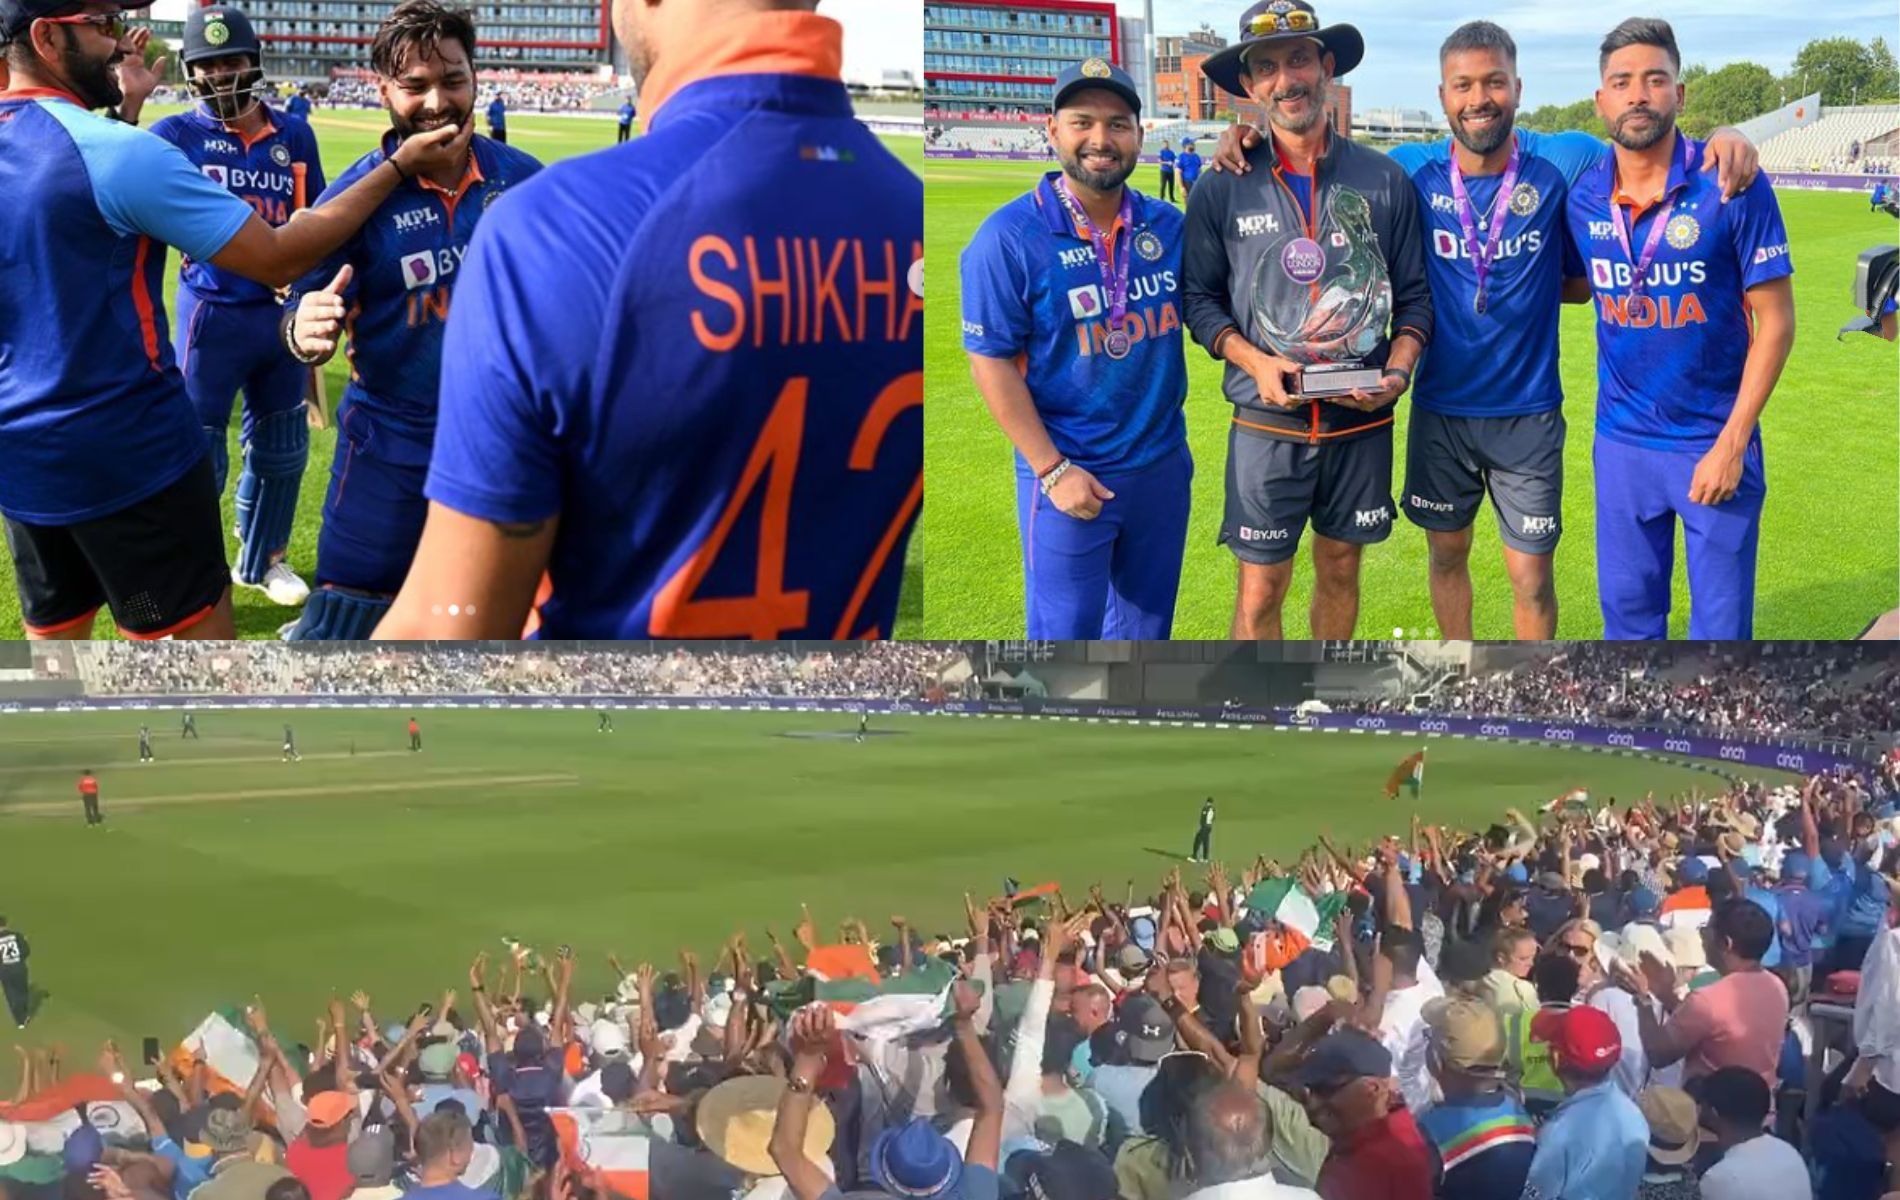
(112, 24)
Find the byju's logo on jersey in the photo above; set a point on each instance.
(1085, 302)
(416, 218)
(215, 174)
(1765, 254)
(1258, 223)
(1249, 534)
(418, 270)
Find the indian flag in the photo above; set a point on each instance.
(609, 1140)
(1570, 799)
(46, 1117)
(1410, 773)
(1301, 923)
(871, 1006)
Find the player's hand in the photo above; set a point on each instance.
(1230, 153)
(319, 320)
(478, 971)
(1079, 494)
(436, 151)
(1734, 160)
(1716, 477)
(136, 79)
(1396, 385)
(1270, 374)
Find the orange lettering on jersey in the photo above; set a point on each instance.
(1642, 312)
(1615, 309)
(901, 394)
(724, 294)
(1082, 346)
(762, 287)
(1169, 321)
(435, 303)
(824, 281)
(913, 303)
(884, 285)
(1688, 309)
(804, 305)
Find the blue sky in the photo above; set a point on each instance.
(1556, 42)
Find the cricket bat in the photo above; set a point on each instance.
(316, 400)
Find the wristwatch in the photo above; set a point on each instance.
(798, 1085)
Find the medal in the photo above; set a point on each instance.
(1114, 268)
(1485, 253)
(1641, 265)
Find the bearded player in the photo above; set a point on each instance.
(688, 406)
(226, 335)
(391, 285)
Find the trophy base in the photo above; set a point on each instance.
(1338, 379)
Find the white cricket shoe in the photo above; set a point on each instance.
(283, 585)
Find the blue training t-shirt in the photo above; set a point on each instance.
(1190, 165)
(726, 409)
(1502, 363)
(1032, 289)
(1167, 161)
(257, 172)
(93, 411)
(1669, 361)
(406, 261)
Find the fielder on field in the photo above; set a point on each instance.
(688, 405)
(1486, 413)
(389, 289)
(1317, 203)
(227, 338)
(1695, 318)
(1072, 324)
(108, 491)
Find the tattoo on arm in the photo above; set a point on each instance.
(520, 530)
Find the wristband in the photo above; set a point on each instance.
(1405, 371)
(290, 342)
(1220, 339)
(1049, 478)
(400, 173)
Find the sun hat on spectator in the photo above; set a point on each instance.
(913, 1160)
(1685, 947)
(735, 1119)
(1675, 1133)
(1466, 1034)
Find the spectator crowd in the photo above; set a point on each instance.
(1596, 1002)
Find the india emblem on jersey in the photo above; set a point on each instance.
(1095, 68)
(1148, 245)
(280, 154)
(1525, 199)
(216, 32)
(1682, 232)
(418, 269)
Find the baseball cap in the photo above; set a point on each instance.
(1467, 1033)
(1582, 1039)
(1644, 902)
(328, 1108)
(1693, 871)
(1675, 1131)
(1071, 1171)
(1095, 73)
(1132, 958)
(608, 1038)
(1149, 1028)
(1223, 939)
(1517, 873)
(1795, 864)
(84, 1147)
(1342, 1056)
(437, 1061)
(371, 1158)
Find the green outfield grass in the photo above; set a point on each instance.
(345, 135)
(223, 871)
(1830, 547)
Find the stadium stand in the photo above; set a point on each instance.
(1828, 144)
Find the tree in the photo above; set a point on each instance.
(1886, 81)
(1692, 73)
(1558, 118)
(1734, 94)
(1841, 69)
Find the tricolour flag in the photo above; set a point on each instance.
(1302, 922)
(608, 1140)
(1410, 773)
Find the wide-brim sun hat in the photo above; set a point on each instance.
(1283, 21)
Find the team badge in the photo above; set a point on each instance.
(1148, 245)
(1682, 232)
(490, 196)
(1095, 68)
(1525, 199)
(280, 154)
(216, 33)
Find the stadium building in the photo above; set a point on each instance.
(312, 41)
(990, 63)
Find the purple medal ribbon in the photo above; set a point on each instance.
(1655, 231)
(1115, 272)
(1483, 256)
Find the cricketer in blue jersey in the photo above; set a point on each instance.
(1695, 318)
(1167, 172)
(227, 337)
(1189, 164)
(625, 121)
(389, 290)
(498, 119)
(298, 106)
(718, 429)
(105, 484)
(1072, 324)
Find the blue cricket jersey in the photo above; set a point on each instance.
(1032, 289)
(725, 404)
(497, 114)
(257, 172)
(1669, 362)
(93, 411)
(1167, 161)
(626, 114)
(1190, 165)
(1503, 363)
(406, 261)
(299, 107)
